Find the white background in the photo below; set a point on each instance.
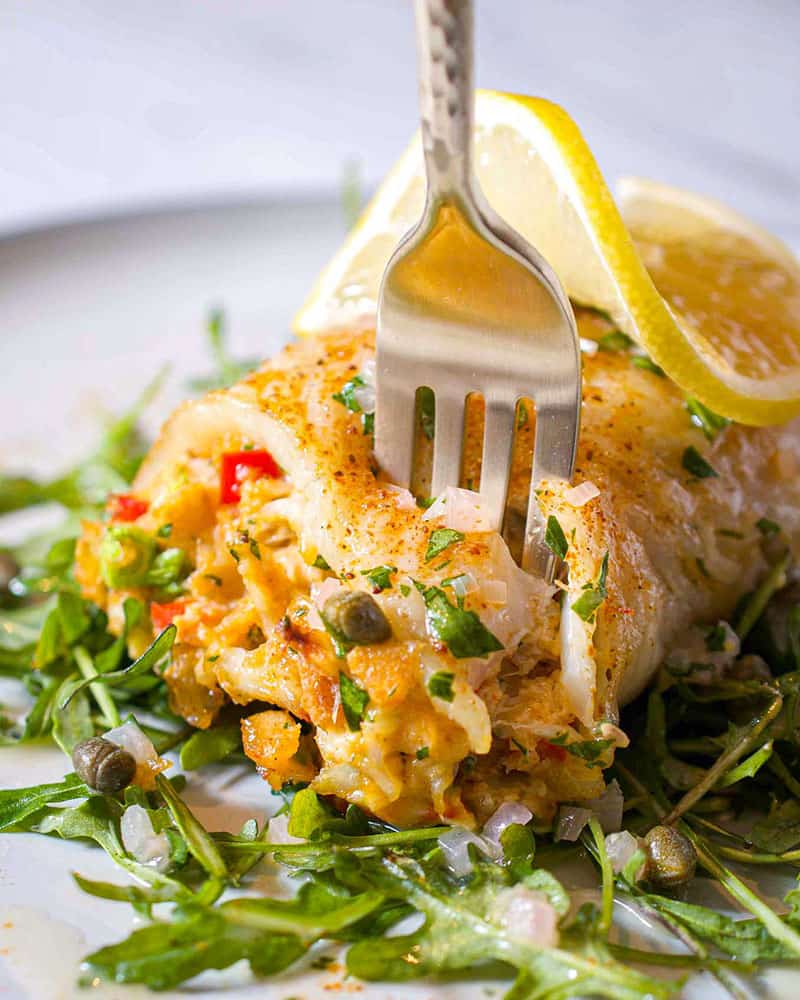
(112, 104)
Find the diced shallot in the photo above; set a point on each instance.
(620, 848)
(526, 915)
(608, 807)
(455, 848)
(577, 496)
(508, 814)
(403, 498)
(140, 839)
(571, 821)
(130, 737)
(462, 510)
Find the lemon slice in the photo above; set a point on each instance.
(731, 332)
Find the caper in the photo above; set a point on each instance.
(357, 617)
(103, 765)
(671, 858)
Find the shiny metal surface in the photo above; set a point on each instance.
(466, 305)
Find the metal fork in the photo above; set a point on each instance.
(467, 305)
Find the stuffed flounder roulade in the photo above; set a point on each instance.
(394, 656)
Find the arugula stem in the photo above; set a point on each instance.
(626, 954)
(752, 611)
(780, 770)
(100, 694)
(725, 761)
(198, 840)
(734, 886)
(394, 839)
(607, 908)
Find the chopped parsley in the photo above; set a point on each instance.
(461, 631)
(716, 638)
(254, 549)
(554, 537)
(164, 531)
(522, 416)
(216, 580)
(593, 752)
(615, 341)
(321, 563)
(405, 590)
(647, 364)
(696, 465)
(440, 685)
(380, 577)
(347, 397)
(593, 595)
(441, 539)
(423, 753)
(710, 423)
(767, 527)
(354, 701)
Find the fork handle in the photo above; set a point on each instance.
(445, 58)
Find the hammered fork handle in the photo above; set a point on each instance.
(446, 97)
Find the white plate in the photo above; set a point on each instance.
(89, 313)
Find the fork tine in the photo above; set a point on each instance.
(394, 429)
(447, 443)
(553, 458)
(498, 436)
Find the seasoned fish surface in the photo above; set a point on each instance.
(489, 681)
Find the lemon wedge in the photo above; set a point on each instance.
(714, 299)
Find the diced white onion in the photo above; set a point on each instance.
(527, 915)
(130, 737)
(578, 669)
(140, 839)
(506, 815)
(462, 510)
(320, 592)
(368, 371)
(463, 584)
(278, 831)
(620, 848)
(608, 808)
(455, 848)
(404, 498)
(495, 591)
(577, 496)
(588, 346)
(571, 821)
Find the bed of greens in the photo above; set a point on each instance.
(711, 783)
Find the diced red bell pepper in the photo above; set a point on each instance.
(239, 466)
(162, 615)
(126, 507)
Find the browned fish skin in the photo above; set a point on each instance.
(250, 631)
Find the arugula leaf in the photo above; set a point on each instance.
(593, 594)
(554, 537)
(780, 830)
(696, 465)
(307, 814)
(441, 539)
(380, 577)
(18, 803)
(710, 423)
(227, 370)
(647, 364)
(354, 701)
(461, 631)
(163, 955)
(208, 746)
(73, 723)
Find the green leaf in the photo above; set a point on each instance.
(227, 370)
(201, 845)
(18, 803)
(616, 340)
(780, 830)
(208, 746)
(461, 631)
(554, 537)
(321, 563)
(354, 701)
(441, 539)
(696, 465)
(50, 645)
(593, 594)
(747, 768)
(767, 527)
(440, 685)
(135, 894)
(594, 752)
(710, 423)
(73, 723)
(380, 577)
(168, 567)
(72, 616)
